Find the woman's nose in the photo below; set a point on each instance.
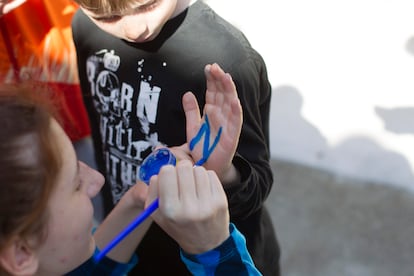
(92, 179)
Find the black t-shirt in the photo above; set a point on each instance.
(133, 94)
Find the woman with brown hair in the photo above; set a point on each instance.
(46, 214)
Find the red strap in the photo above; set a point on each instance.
(9, 48)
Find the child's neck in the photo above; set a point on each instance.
(181, 6)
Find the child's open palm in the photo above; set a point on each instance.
(213, 138)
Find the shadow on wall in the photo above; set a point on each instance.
(292, 137)
(295, 139)
(397, 120)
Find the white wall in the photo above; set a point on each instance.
(343, 82)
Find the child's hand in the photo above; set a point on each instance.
(193, 207)
(181, 152)
(224, 111)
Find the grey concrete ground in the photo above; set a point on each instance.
(330, 226)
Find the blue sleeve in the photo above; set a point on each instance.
(229, 258)
(105, 267)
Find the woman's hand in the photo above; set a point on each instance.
(193, 207)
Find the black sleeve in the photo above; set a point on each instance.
(252, 157)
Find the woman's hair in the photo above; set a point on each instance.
(109, 6)
(29, 163)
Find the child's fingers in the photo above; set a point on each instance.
(190, 106)
(228, 86)
(218, 76)
(192, 114)
(211, 84)
(236, 119)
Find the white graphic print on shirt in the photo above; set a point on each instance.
(124, 121)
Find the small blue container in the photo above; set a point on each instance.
(153, 163)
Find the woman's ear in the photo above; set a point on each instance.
(19, 259)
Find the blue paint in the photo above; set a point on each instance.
(205, 131)
(153, 163)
